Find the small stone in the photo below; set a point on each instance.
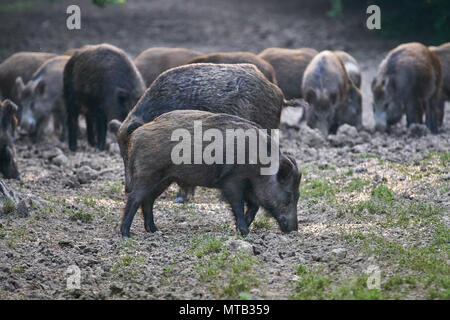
(316, 257)
(60, 160)
(239, 245)
(341, 253)
(311, 137)
(115, 288)
(86, 174)
(52, 153)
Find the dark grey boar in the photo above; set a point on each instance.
(289, 66)
(408, 81)
(237, 89)
(103, 83)
(20, 64)
(443, 53)
(152, 170)
(351, 66)
(325, 87)
(42, 97)
(154, 61)
(238, 57)
(8, 124)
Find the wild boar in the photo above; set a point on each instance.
(237, 89)
(8, 124)
(154, 61)
(289, 66)
(443, 53)
(325, 87)
(103, 83)
(20, 64)
(42, 97)
(238, 57)
(408, 81)
(152, 170)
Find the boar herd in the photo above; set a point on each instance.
(142, 102)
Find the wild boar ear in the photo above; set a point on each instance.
(310, 96)
(11, 110)
(114, 126)
(133, 126)
(19, 86)
(10, 107)
(40, 87)
(285, 169)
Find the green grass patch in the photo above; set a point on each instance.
(228, 274)
(317, 188)
(312, 285)
(356, 184)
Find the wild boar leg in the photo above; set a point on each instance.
(147, 206)
(431, 117)
(72, 123)
(134, 201)
(414, 111)
(101, 125)
(234, 195)
(252, 209)
(90, 130)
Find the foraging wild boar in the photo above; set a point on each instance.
(20, 64)
(237, 89)
(325, 88)
(350, 111)
(8, 124)
(443, 53)
(103, 83)
(154, 61)
(42, 97)
(238, 57)
(289, 66)
(408, 81)
(351, 66)
(152, 170)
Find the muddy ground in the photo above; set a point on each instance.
(372, 206)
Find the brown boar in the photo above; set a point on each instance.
(408, 81)
(152, 170)
(443, 53)
(103, 83)
(154, 61)
(289, 66)
(20, 64)
(237, 89)
(325, 87)
(42, 97)
(8, 124)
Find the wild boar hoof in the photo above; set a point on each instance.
(151, 228)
